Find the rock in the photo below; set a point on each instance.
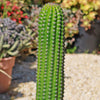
(88, 40)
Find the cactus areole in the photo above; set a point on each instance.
(50, 71)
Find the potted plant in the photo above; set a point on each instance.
(13, 39)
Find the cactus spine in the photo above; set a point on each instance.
(50, 72)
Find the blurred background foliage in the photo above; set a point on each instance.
(77, 12)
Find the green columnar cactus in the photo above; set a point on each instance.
(50, 72)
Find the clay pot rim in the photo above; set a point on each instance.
(6, 58)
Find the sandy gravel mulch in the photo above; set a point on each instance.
(82, 79)
(82, 72)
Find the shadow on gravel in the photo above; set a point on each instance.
(23, 72)
(10, 95)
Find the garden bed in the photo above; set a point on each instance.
(82, 78)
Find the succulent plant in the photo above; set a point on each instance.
(50, 72)
(32, 25)
(84, 11)
(13, 38)
(33, 14)
(71, 22)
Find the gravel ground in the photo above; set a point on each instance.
(82, 78)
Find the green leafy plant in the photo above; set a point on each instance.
(94, 52)
(86, 51)
(71, 50)
(50, 72)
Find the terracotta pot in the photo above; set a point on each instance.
(6, 65)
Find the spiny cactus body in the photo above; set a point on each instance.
(50, 72)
